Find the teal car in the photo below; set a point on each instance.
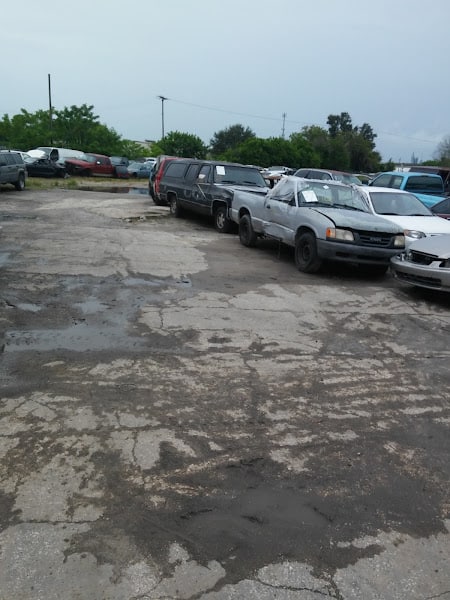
(428, 187)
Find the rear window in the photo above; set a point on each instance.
(424, 183)
(175, 169)
(238, 176)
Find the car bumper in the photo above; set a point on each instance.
(428, 276)
(356, 254)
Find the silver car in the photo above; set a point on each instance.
(426, 263)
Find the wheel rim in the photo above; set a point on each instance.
(306, 253)
(173, 206)
(220, 219)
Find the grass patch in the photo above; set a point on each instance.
(73, 183)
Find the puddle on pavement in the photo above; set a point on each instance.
(115, 189)
(4, 257)
(27, 306)
(80, 337)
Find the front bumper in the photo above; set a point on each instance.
(430, 276)
(354, 253)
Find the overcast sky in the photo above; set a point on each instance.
(222, 62)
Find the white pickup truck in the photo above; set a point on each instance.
(322, 220)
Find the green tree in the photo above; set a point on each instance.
(319, 139)
(339, 124)
(265, 152)
(442, 153)
(229, 138)
(79, 128)
(351, 148)
(176, 143)
(25, 130)
(305, 153)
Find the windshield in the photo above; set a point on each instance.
(236, 175)
(315, 193)
(393, 203)
(90, 158)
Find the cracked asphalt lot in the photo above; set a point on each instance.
(185, 418)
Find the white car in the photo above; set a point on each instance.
(426, 263)
(406, 210)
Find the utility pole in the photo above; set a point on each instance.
(162, 98)
(284, 115)
(50, 109)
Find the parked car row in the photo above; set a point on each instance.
(322, 218)
(46, 161)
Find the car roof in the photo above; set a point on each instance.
(213, 162)
(407, 174)
(333, 182)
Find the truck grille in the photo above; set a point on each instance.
(375, 239)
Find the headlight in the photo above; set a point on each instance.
(412, 233)
(399, 241)
(340, 234)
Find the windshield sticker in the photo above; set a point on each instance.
(309, 195)
(220, 170)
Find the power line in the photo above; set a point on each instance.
(290, 121)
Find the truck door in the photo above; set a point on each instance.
(279, 211)
(201, 195)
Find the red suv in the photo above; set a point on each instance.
(155, 177)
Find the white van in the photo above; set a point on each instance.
(59, 155)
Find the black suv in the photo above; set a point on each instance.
(207, 187)
(12, 169)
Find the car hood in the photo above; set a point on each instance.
(429, 225)
(352, 219)
(78, 161)
(438, 245)
(37, 154)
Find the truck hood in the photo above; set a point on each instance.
(253, 189)
(78, 162)
(358, 220)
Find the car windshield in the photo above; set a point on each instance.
(236, 175)
(90, 158)
(316, 193)
(394, 203)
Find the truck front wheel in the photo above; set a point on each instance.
(247, 236)
(306, 257)
(221, 221)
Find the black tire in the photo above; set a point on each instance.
(221, 221)
(247, 236)
(306, 257)
(175, 209)
(20, 183)
(87, 173)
